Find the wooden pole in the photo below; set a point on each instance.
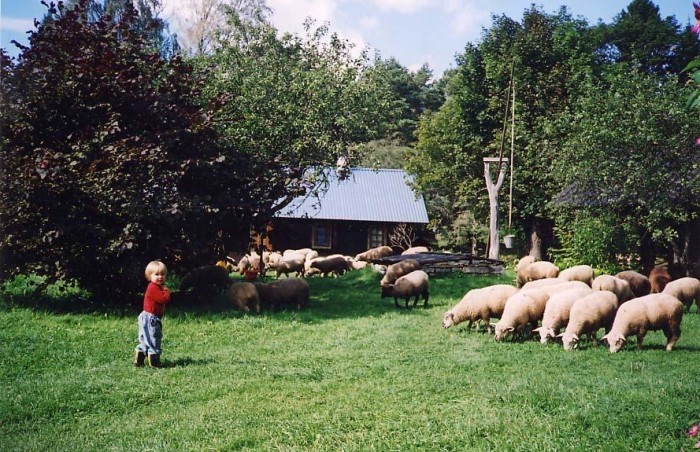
(512, 162)
(494, 245)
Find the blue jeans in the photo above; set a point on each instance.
(150, 334)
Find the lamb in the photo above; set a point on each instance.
(414, 284)
(243, 295)
(618, 286)
(588, 315)
(208, 275)
(639, 283)
(659, 311)
(525, 307)
(285, 267)
(395, 271)
(557, 312)
(659, 277)
(375, 253)
(479, 305)
(582, 273)
(336, 265)
(685, 290)
(285, 292)
(535, 271)
(415, 250)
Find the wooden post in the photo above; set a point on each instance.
(494, 246)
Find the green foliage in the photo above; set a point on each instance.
(351, 372)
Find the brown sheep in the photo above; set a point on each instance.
(659, 277)
(284, 292)
(374, 253)
(243, 295)
(639, 283)
(397, 270)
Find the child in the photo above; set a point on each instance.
(150, 327)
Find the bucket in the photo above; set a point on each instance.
(509, 240)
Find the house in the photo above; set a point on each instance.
(353, 215)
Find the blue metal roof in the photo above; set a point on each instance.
(382, 195)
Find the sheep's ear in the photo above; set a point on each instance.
(560, 335)
(605, 338)
(538, 329)
(510, 328)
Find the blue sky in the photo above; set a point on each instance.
(412, 31)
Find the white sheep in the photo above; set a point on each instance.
(639, 284)
(358, 265)
(415, 250)
(618, 286)
(285, 292)
(524, 262)
(685, 290)
(414, 284)
(582, 273)
(336, 265)
(659, 311)
(551, 289)
(541, 283)
(395, 271)
(287, 266)
(589, 314)
(480, 305)
(374, 253)
(535, 271)
(243, 295)
(557, 312)
(525, 307)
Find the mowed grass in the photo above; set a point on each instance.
(351, 372)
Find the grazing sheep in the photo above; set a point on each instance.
(618, 286)
(588, 315)
(659, 311)
(313, 254)
(525, 307)
(416, 250)
(551, 289)
(685, 290)
(541, 283)
(583, 273)
(639, 283)
(285, 292)
(414, 284)
(375, 253)
(557, 312)
(285, 267)
(243, 295)
(659, 277)
(480, 305)
(395, 271)
(336, 265)
(535, 271)
(524, 262)
(208, 275)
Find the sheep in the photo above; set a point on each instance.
(659, 277)
(358, 265)
(243, 264)
(659, 311)
(523, 308)
(374, 253)
(479, 305)
(285, 292)
(524, 262)
(313, 254)
(551, 289)
(395, 271)
(618, 286)
(535, 271)
(414, 284)
(243, 295)
(415, 250)
(336, 265)
(208, 275)
(582, 273)
(685, 290)
(557, 312)
(289, 266)
(589, 314)
(381, 269)
(639, 283)
(541, 283)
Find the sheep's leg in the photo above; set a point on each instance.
(426, 295)
(640, 338)
(396, 302)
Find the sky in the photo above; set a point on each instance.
(414, 32)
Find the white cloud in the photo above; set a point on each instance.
(467, 17)
(404, 6)
(16, 25)
(369, 22)
(289, 15)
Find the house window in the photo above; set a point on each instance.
(321, 236)
(377, 236)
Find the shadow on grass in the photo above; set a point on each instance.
(185, 362)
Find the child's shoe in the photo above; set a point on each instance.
(154, 360)
(139, 358)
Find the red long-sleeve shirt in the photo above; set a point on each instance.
(155, 299)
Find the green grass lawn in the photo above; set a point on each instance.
(351, 372)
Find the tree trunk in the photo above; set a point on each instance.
(541, 237)
(494, 251)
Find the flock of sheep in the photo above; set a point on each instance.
(547, 301)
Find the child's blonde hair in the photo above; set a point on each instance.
(154, 268)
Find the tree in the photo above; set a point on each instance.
(107, 160)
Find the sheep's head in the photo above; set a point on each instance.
(502, 331)
(569, 340)
(448, 319)
(387, 290)
(616, 341)
(546, 333)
